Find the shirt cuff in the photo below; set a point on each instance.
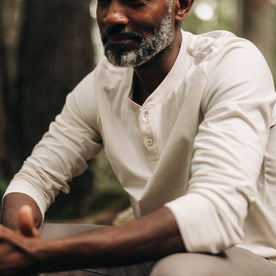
(26, 188)
(199, 223)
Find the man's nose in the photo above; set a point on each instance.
(116, 15)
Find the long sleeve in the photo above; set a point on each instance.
(63, 151)
(228, 150)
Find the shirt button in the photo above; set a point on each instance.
(149, 142)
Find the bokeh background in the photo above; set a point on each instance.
(47, 47)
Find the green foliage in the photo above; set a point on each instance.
(209, 15)
(3, 186)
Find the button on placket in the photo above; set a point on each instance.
(148, 133)
(148, 142)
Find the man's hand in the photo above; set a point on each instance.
(16, 258)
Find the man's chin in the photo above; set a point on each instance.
(122, 60)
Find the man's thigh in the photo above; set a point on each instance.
(233, 262)
(61, 230)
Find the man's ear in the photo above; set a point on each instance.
(183, 7)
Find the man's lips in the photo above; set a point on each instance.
(114, 41)
(118, 37)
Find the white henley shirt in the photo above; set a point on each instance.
(201, 144)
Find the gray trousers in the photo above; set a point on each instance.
(234, 261)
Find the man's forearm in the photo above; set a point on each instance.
(148, 238)
(10, 209)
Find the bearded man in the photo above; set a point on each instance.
(187, 123)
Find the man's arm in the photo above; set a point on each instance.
(150, 237)
(11, 206)
(153, 236)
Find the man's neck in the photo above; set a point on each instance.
(148, 76)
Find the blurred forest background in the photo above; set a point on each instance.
(47, 47)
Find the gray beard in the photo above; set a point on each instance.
(159, 39)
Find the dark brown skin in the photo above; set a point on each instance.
(22, 252)
(140, 240)
(11, 206)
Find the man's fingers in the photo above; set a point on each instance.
(26, 222)
(36, 233)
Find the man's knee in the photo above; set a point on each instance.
(186, 264)
(234, 261)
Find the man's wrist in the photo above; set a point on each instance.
(45, 254)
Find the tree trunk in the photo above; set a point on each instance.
(258, 25)
(55, 53)
(8, 36)
(3, 87)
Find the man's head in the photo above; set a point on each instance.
(133, 31)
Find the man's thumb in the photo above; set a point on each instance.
(25, 222)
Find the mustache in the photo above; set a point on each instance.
(120, 31)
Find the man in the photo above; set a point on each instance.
(187, 123)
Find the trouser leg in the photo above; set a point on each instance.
(234, 261)
(52, 231)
